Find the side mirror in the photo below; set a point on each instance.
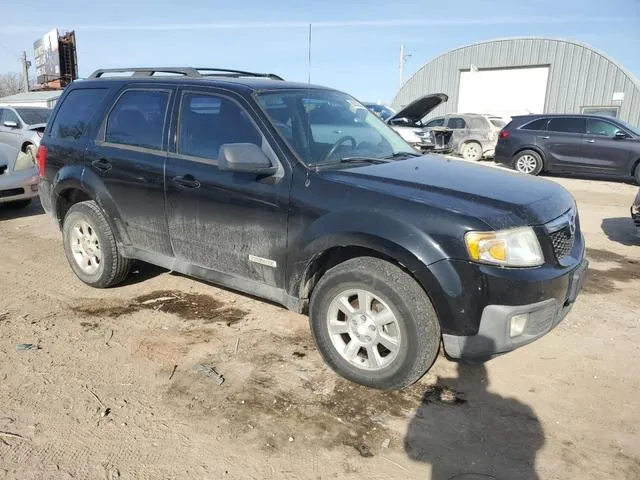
(619, 135)
(10, 124)
(244, 157)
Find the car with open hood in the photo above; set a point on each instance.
(297, 194)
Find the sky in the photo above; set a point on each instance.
(355, 44)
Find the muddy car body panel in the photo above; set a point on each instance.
(279, 230)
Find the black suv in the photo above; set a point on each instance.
(584, 144)
(236, 178)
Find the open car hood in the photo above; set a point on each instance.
(420, 108)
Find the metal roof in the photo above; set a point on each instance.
(43, 96)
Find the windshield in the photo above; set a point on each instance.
(32, 116)
(326, 127)
(628, 126)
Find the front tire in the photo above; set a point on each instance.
(91, 248)
(373, 324)
(528, 162)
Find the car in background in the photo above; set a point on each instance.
(635, 212)
(18, 177)
(570, 143)
(472, 135)
(383, 111)
(408, 124)
(22, 127)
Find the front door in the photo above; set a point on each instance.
(128, 157)
(231, 223)
(562, 143)
(602, 151)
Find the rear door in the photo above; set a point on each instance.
(129, 155)
(459, 129)
(562, 143)
(601, 151)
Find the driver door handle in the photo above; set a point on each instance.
(544, 137)
(590, 140)
(187, 181)
(337, 132)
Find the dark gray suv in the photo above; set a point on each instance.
(586, 144)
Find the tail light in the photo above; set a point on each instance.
(41, 157)
(503, 134)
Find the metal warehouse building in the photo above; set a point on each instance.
(527, 75)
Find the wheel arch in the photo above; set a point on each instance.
(25, 144)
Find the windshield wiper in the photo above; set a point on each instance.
(355, 160)
(403, 155)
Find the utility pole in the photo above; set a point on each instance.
(25, 71)
(403, 58)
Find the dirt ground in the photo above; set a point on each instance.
(113, 390)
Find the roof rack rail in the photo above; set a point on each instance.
(185, 71)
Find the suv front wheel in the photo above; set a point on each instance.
(90, 246)
(373, 324)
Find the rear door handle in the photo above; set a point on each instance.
(545, 137)
(186, 181)
(590, 141)
(337, 132)
(103, 165)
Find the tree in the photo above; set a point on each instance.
(10, 83)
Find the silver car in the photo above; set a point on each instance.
(23, 127)
(18, 177)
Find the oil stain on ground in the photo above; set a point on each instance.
(603, 281)
(189, 306)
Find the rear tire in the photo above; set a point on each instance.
(528, 162)
(471, 151)
(373, 324)
(19, 204)
(91, 248)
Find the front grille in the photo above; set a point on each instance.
(11, 192)
(562, 241)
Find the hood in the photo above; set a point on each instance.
(500, 198)
(37, 126)
(420, 108)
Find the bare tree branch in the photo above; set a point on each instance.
(10, 83)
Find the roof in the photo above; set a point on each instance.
(42, 96)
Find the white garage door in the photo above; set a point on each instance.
(503, 92)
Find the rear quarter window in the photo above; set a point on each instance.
(75, 112)
(539, 124)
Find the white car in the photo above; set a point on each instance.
(18, 177)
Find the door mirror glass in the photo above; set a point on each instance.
(244, 157)
(619, 135)
(11, 124)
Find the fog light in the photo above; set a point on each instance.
(518, 322)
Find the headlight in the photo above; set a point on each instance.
(517, 247)
(23, 162)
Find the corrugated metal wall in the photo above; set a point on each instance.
(578, 75)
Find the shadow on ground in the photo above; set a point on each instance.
(621, 230)
(603, 281)
(9, 211)
(484, 436)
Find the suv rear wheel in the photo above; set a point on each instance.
(373, 324)
(90, 247)
(528, 162)
(471, 151)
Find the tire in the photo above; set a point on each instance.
(415, 327)
(19, 204)
(471, 151)
(528, 162)
(86, 235)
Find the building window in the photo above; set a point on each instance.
(605, 111)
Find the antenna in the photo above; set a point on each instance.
(309, 67)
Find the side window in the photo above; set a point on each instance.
(2, 110)
(436, 122)
(137, 119)
(456, 123)
(600, 127)
(567, 125)
(540, 125)
(10, 116)
(75, 113)
(208, 121)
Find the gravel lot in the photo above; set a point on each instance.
(111, 392)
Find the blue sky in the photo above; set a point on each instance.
(355, 43)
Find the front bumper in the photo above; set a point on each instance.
(494, 334)
(16, 186)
